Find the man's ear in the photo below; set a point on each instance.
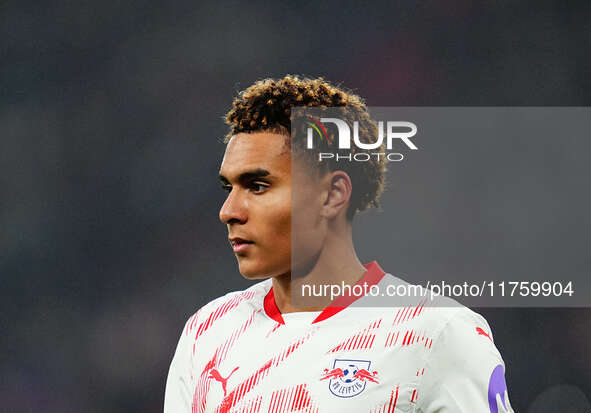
(339, 193)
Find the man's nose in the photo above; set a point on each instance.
(234, 209)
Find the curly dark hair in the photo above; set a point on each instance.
(267, 106)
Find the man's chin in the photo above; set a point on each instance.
(253, 270)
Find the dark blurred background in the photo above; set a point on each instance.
(111, 116)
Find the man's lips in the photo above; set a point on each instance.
(239, 244)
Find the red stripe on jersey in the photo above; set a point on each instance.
(191, 322)
(370, 343)
(392, 338)
(361, 340)
(393, 401)
(299, 401)
(254, 406)
(199, 396)
(422, 307)
(407, 313)
(419, 309)
(352, 343)
(277, 325)
(276, 399)
(389, 339)
(283, 397)
(273, 405)
(223, 349)
(404, 313)
(235, 335)
(404, 340)
(250, 406)
(223, 309)
(294, 399)
(391, 406)
(410, 313)
(396, 317)
(410, 337)
(243, 388)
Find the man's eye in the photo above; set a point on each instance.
(258, 187)
(227, 188)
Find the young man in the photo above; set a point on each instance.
(258, 350)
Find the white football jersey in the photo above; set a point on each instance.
(240, 354)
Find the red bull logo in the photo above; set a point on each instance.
(348, 378)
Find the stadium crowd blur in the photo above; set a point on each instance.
(111, 117)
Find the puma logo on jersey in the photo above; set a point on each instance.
(215, 374)
(481, 332)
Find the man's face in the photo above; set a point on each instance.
(256, 173)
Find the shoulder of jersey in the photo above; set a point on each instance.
(419, 309)
(251, 297)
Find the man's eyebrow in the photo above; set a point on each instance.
(247, 175)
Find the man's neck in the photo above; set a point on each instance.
(337, 263)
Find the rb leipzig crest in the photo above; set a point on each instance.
(348, 378)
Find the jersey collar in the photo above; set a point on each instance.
(372, 276)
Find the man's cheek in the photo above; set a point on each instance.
(287, 230)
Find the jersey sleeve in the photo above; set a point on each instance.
(464, 373)
(177, 396)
